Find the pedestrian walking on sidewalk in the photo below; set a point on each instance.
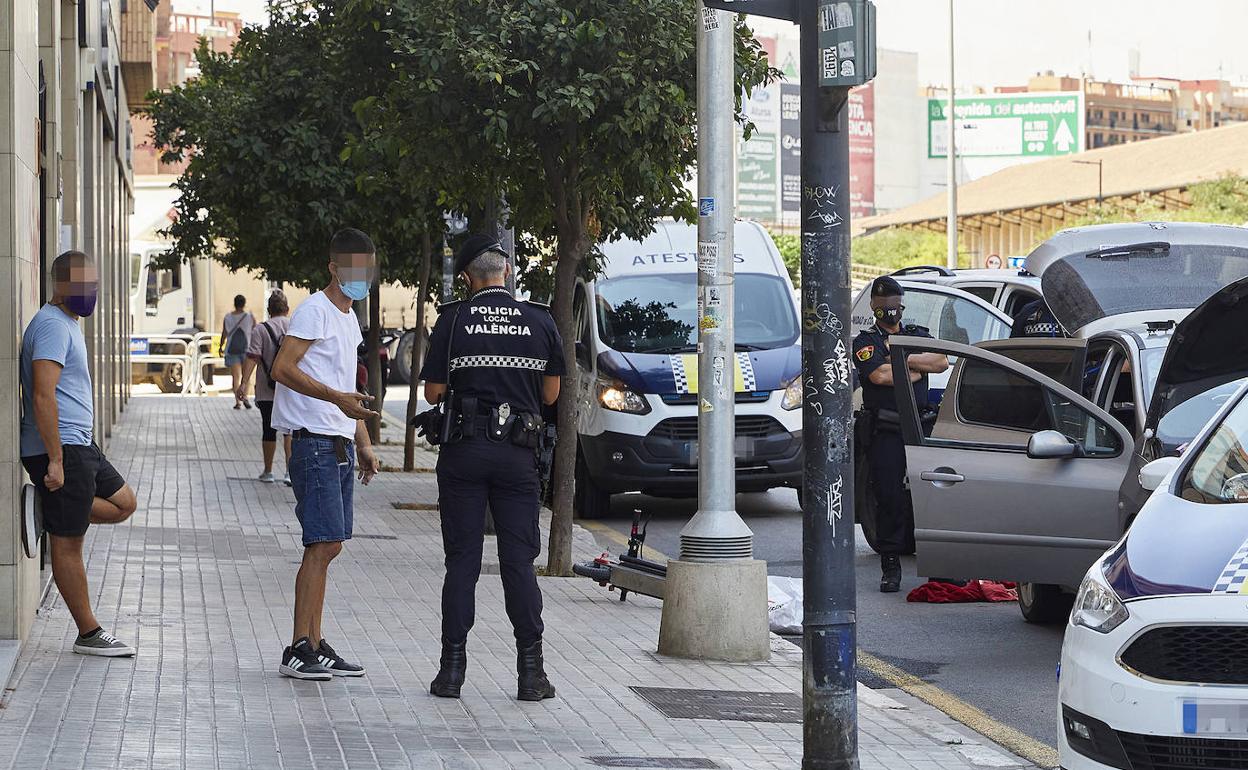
(235, 336)
(266, 339)
(76, 484)
(317, 404)
(497, 360)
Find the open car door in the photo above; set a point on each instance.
(1018, 479)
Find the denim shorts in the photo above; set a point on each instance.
(323, 489)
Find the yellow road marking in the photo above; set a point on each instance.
(1020, 743)
(620, 538)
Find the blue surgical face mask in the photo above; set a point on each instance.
(356, 290)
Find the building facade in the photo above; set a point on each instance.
(66, 177)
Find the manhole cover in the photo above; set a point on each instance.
(730, 705)
(375, 537)
(693, 763)
(415, 506)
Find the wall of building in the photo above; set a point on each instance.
(64, 183)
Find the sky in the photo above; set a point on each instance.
(1006, 41)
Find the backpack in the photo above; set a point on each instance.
(266, 366)
(237, 342)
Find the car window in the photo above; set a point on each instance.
(1057, 363)
(1017, 299)
(954, 319)
(1219, 473)
(994, 396)
(1181, 424)
(986, 293)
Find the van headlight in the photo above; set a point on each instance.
(617, 397)
(792, 393)
(1096, 605)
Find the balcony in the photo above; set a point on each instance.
(138, 51)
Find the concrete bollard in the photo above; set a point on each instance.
(716, 610)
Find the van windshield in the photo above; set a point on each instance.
(659, 313)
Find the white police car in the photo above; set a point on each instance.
(637, 371)
(1153, 671)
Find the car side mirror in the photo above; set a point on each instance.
(582, 354)
(1051, 445)
(1154, 474)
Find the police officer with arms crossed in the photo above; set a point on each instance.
(886, 453)
(497, 361)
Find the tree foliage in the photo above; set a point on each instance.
(265, 129)
(581, 114)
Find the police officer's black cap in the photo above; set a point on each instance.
(886, 286)
(473, 247)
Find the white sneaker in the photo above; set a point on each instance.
(286, 479)
(267, 477)
(103, 644)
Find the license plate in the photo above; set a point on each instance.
(743, 448)
(138, 347)
(1204, 716)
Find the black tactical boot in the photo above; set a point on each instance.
(450, 678)
(890, 579)
(531, 681)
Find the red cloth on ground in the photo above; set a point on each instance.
(973, 591)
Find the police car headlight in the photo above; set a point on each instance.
(792, 394)
(1096, 605)
(619, 398)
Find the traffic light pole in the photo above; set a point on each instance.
(837, 53)
(829, 631)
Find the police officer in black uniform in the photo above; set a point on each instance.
(497, 360)
(886, 453)
(1036, 320)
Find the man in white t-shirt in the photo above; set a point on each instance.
(317, 404)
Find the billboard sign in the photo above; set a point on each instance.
(758, 160)
(1032, 125)
(861, 114)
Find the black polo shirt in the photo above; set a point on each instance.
(870, 353)
(495, 348)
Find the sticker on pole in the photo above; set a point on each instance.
(708, 258)
(713, 297)
(706, 207)
(707, 406)
(710, 19)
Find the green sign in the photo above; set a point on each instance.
(758, 188)
(1013, 125)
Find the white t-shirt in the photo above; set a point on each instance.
(330, 360)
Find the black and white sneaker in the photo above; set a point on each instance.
(302, 662)
(334, 662)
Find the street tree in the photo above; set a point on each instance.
(581, 114)
(265, 129)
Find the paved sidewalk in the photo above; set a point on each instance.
(201, 580)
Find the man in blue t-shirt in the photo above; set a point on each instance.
(76, 484)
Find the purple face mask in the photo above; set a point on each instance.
(82, 304)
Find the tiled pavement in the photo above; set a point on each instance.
(201, 579)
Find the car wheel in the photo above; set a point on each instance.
(1043, 603)
(590, 501)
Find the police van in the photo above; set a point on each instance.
(637, 369)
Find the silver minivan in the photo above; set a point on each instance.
(1031, 469)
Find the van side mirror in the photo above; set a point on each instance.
(582, 354)
(1051, 445)
(1154, 474)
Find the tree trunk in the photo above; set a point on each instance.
(374, 360)
(571, 251)
(418, 351)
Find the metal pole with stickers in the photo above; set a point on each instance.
(837, 53)
(716, 584)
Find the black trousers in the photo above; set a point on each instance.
(472, 473)
(894, 515)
